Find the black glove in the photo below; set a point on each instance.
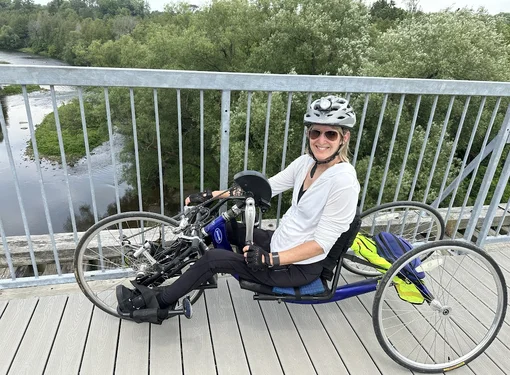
(254, 257)
(198, 198)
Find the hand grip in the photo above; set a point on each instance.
(249, 218)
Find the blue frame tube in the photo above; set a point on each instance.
(218, 233)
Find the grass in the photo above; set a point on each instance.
(16, 89)
(72, 132)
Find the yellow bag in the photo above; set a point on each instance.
(366, 248)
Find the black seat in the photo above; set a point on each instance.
(312, 291)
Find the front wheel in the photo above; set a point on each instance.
(463, 305)
(104, 256)
(417, 222)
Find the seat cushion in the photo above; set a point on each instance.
(315, 287)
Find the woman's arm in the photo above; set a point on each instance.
(285, 179)
(304, 251)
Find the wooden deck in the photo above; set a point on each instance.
(56, 330)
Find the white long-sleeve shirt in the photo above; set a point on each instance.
(324, 211)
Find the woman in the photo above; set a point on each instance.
(323, 205)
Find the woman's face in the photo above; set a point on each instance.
(324, 140)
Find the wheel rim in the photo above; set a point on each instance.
(457, 325)
(413, 221)
(103, 262)
(416, 223)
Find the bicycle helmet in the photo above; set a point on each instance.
(333, 111)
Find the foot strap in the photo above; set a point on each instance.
(149, 315)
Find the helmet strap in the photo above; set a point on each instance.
(317, 162)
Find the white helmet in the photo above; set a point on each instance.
(331, 110)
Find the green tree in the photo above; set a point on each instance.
(313, 37)
(8, 38)
(386, 14)
(448, 45)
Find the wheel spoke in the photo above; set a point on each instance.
(465, 316)
(104, 257)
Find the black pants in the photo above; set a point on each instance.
(223, 261)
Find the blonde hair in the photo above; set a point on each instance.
(344, 150)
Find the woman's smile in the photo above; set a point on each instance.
(323, 149)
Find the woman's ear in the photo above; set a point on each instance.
(347, 136)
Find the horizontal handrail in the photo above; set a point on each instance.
(117, 77)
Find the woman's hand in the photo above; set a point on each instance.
(197, 198)
(213, 194)
(257, 258)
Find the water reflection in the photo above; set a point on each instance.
(85, 217)
(128, 202)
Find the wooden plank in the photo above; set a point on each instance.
(197, 349)
(504, 264)
(165, 348)
(503, 260)
(69, 344)
(133, 348)
(291, 351)
(258, 346)
(347, 343)
(226, 338)
(477, 298)
(361, 321)
(318, 344)
(39, 291)
(484, 277)
(13, 323)
(101, 346)
(35, 348)
(417, 320)
(3, 305)
(367, 301)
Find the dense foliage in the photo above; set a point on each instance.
(335, 37)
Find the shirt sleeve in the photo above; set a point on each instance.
(338, 213)
(285, 179)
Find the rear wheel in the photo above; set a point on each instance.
(417, 222)
(105, 258)
(462, 314)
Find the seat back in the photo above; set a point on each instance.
(340, 247)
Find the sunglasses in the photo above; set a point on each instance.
(331, 135)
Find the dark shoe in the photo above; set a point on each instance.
(129, 300)
(140, 304)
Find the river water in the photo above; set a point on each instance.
(53, 175)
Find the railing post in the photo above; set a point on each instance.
(225, 138)
(496, 199)
(501, 139)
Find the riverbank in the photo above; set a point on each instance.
(17, 90)
(68, 192)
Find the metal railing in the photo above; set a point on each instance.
(426, 140)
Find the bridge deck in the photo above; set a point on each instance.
(56, 330)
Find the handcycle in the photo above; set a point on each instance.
(458, 319)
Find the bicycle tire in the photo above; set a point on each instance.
(425, 225)
(462, 318)
(102, 260)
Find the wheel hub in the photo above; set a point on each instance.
(444, 310)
